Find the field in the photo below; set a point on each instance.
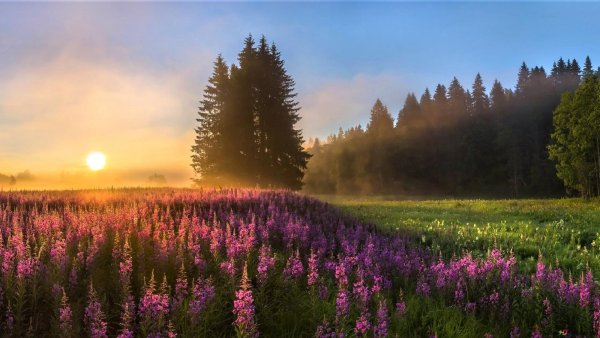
(564, 231)
(188, 263)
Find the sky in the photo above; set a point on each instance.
(125, 78)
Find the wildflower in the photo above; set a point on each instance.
(515, 332)
(325, 331)
(584, 294)
(65, 316)
(401, 305)
(361, 291)
(342, 306)
(126, 318)
(536, 333)
(423, 288)
(294, 267)
(362, 325)
(313, 268)
(94, 317)
(202, 294)
(181, 288)
(381, 327)
(547, 308)
(596, 316)
(153, 308)
(243, 308)
(265, 263)
(126, 266)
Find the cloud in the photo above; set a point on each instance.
(56, 109)
(346, 103)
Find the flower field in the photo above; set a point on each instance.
(248, 263)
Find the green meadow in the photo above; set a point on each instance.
(565, 232)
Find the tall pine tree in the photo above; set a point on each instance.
(251, 137)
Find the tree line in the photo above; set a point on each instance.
(246, 132)
(458, 141)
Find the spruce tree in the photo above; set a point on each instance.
(410, 112)
(251, 139)
(587, 67)
(207, 151)
(481, 103)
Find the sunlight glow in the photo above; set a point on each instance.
(96, 161)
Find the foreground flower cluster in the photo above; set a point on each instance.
(248, 263)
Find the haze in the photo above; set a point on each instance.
(125, 79)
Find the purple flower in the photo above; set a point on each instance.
(243, 308)
(362, 325)
(361, 291)
(381, 327)
(400, 304)
(65, 316)
(294, 268)
(515, 332)
(265, 263)
(181, 288)
(342, 306)
(313, 268)
(423, 288)
(94, 317)
(202, 294)
(547, 308)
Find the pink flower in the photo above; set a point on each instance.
(202, 294)
(243, 308)
(94, 317)
(313, 268)
(181, 288)
(294, 268)
(265, 263)
(381, 327)
(65, 315)
(342, 306)
(362, 325)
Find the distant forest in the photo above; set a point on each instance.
(454, 141)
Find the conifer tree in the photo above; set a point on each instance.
(251, 137)
(207, 160)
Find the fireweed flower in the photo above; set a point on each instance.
(325, 331)
(94, 317)
(381, 327)
(265, 263)
(362, 325)
(342, 305)
(596, 316)
(547, 308)
(243, 308)
(181, 288)
(153, 308)
(126, 266)
(202, 293)
(128, 312)
(515, 332)
(361, 291)
(401, 305)
(65, 316)
(294, 268)
(313, 268)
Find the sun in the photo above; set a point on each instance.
(96, 161)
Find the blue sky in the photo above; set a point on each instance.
(85, 63)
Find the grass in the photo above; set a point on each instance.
(564, 231)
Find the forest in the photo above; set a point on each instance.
(455, 141)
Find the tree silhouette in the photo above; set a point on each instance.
(247, 131)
